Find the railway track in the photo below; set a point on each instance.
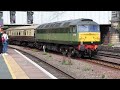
(112, 57)
(108, 59)
(50, 68)
(109, 54)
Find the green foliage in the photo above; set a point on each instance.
(87, 69)
(44, 53)
(50, 55)
(110, 45)
(66, 62)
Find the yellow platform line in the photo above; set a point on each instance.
(11, 72)
(15, 70)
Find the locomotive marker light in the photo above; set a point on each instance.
(44, 48)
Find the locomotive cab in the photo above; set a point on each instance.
(89, 38)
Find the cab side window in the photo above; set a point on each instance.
(74, 29)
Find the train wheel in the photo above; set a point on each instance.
(70, 53)
(80, 55)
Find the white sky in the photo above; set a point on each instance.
(101, 17)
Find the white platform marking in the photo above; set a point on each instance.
(42, 69)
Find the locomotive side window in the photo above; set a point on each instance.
(71, 30)
(74, 29)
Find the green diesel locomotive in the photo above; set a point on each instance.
(73, 37)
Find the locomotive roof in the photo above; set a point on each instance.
(66, 23)
(24, 27)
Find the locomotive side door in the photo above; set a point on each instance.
(72, 34)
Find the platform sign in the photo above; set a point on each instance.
(1, 14)
(12, 17)
(30, 17)
(1, 22)
(115, 15)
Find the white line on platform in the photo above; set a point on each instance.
(42, 69)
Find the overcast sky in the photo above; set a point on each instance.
(101, 17)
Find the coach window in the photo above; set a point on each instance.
(30, 33)
(19, 33)
(24, 32)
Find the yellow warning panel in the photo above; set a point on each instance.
(15, 70)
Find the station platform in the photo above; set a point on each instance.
(15, 65)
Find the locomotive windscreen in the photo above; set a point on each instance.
(88, 28)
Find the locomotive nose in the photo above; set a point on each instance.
(89, 37)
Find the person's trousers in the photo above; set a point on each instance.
(1, 48)
(5, 47)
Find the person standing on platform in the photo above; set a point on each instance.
(1, 44)
(5, 42)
